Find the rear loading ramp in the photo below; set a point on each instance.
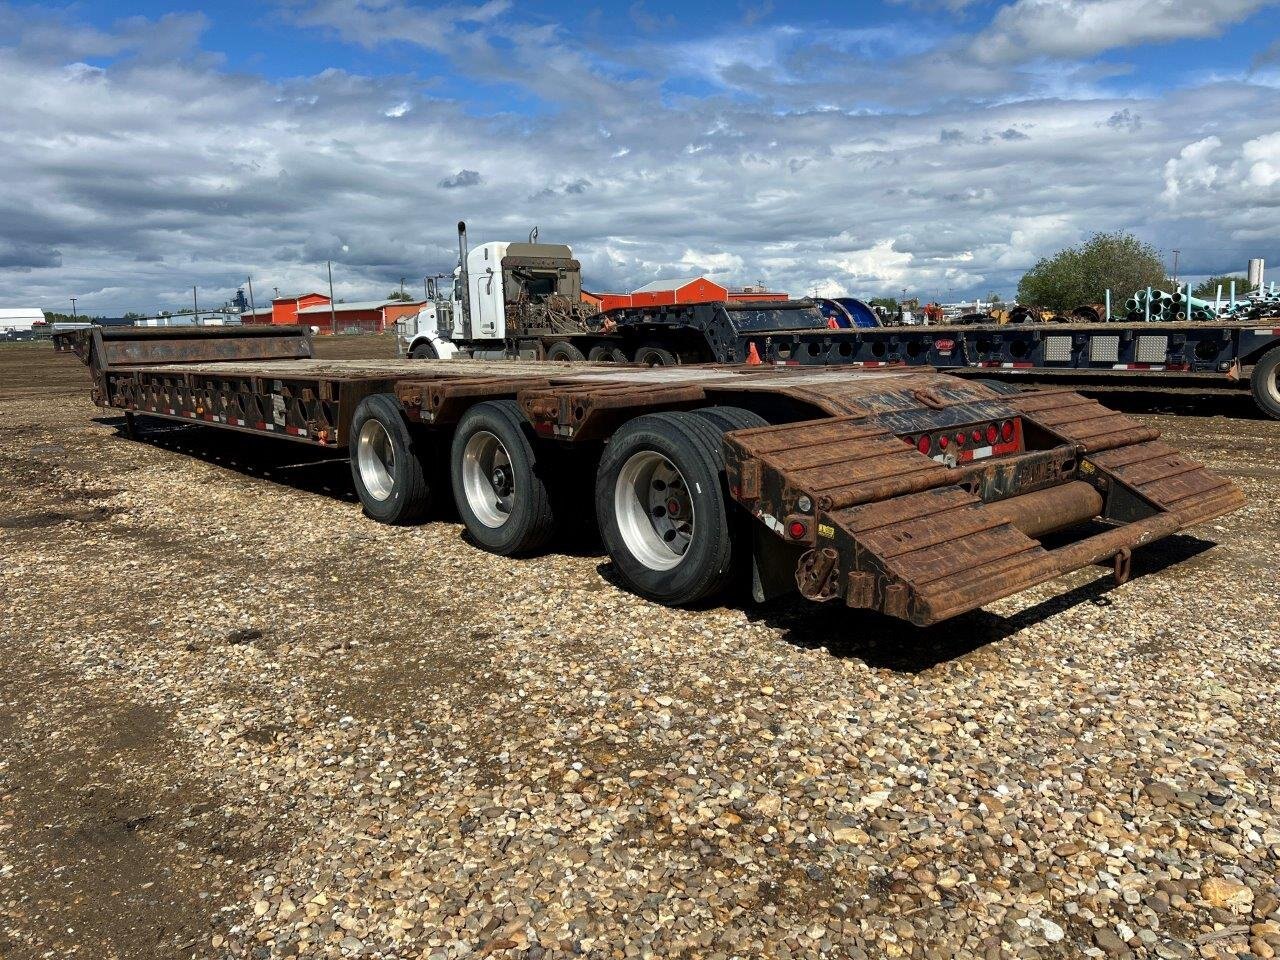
(891, 529)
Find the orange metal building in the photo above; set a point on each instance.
(680, 290)
(372, 316)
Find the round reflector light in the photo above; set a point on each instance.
(923, 444)
(977, 436)
(944, 441)
(993, 433)
(797, 530)
(961, 438)
(1006, 430)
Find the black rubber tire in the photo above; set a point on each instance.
(602, 353)
(653, 355)
(424, 351)
(564, 350)
(411, 494)
(693, 445)
(531, 522)
(729, 419)
(1264, 383)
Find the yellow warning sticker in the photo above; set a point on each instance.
(826, 530)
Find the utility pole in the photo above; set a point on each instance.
(402, 288)
(74, 315)
(333, 315)
(195, 307)
(1175, 266)
(253, 307)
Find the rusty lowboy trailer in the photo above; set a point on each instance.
(914, 493)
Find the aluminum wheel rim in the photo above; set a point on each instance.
(488, 479)
(376, 459)
(654, 510)
(1273, 385)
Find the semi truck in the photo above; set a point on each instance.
(901, 490)
(524, 301)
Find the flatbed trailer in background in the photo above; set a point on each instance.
(906, 491)
(1234, 354)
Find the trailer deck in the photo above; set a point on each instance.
(1233, 353)
(902, 490)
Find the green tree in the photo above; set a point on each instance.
(888, 303)
(1209, 288)
(1081, 274)
(400, 295)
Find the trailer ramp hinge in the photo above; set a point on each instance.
(1123, 565)
(816, 574)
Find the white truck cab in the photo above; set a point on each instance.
(507, 299)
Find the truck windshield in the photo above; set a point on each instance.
(791, 315)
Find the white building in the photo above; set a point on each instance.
(19, 320)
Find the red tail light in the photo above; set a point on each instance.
(961, 438)
(1006, 431)
(924, 444)
(797, 530)
(944, 441)
(993, 433)
(977, 436)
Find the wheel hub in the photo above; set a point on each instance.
(488, 479)
(654, 510)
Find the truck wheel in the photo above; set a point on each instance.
(424, 351)
(729, 419)
(386, 463)
(497, 485)
(652, 355)
(605, 354)
(1265, 383)
(564, 350)
(663, 510)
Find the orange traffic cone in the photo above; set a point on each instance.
(753, 355)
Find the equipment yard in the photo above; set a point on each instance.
(238, 718)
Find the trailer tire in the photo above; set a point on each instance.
(602, 353)
(497, 482)
(729, 419)
(424, 351)
(387, 463)
(653, 355)
(564, 350)
(1264, 384)
(651, 463)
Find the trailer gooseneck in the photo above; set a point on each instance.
(906, 491)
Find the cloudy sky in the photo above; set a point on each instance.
(940, 146)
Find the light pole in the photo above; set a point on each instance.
(253, 307)
(333, 316)
(1175, 266)
(74, 315)
(195, 308)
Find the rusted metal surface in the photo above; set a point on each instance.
(1051, 510)
(842, 481)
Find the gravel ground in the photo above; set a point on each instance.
(239, 720)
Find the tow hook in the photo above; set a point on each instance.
(1123, 563)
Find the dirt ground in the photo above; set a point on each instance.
(238, 719)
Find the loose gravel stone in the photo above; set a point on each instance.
(240, 720)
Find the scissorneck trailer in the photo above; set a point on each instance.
(905, 491)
